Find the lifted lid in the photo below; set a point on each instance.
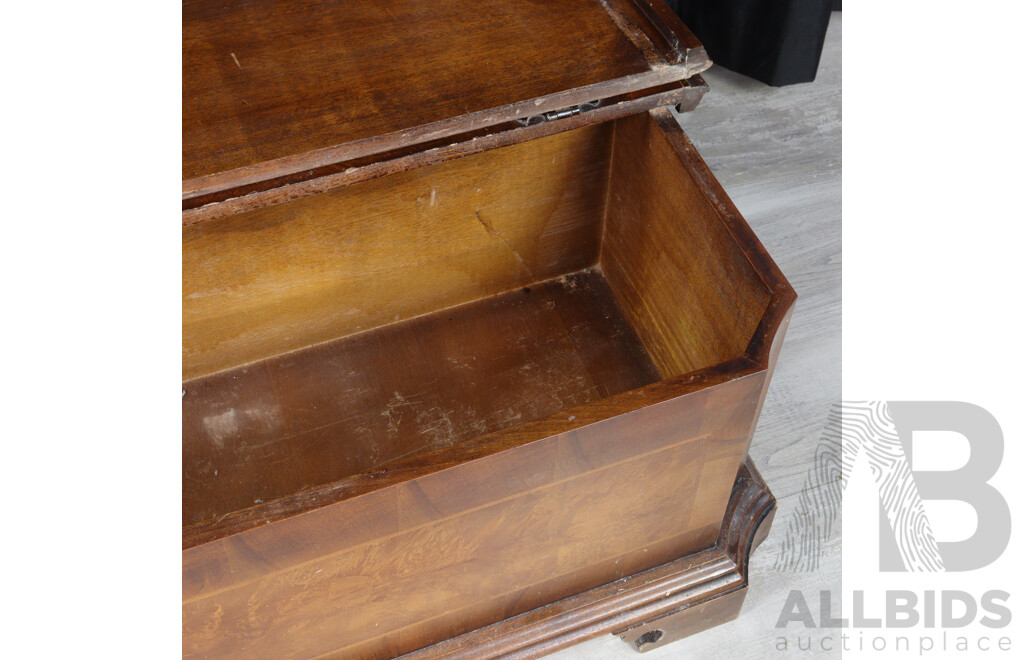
(281, 87)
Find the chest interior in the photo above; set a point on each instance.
(333, 335)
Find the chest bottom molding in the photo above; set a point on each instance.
(646, 610)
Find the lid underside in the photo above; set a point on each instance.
(273, 88)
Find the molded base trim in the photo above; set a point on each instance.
(648, 609)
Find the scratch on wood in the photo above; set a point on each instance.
(440, 429)
(237, 63)
(635, 34)
(494, 232)
(396, 403)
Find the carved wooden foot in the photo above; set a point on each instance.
(647, 610)
(706, 603)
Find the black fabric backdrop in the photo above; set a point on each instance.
(775, 41)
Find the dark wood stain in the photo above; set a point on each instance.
(480, 527)
(448, 378)
(287, 276)
(285, 424)
(685, 94)
(674, 600)
(269, 86)
(688, 288)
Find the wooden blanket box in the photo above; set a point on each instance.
(474, 343)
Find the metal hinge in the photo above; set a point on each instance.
(553, 115)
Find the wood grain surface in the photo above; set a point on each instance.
(442, 542)
(274, 88)
(777, 151)
(421, 561)
(312, 417)
(685, 95)
(324, 266)
(615, 347)
(647, 610)
(687, 287)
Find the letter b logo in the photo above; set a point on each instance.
(967, 484)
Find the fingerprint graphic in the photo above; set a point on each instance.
(868, 427)
(853, 427)
(819, 503)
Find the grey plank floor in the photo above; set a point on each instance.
(777, 152)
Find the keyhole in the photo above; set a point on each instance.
(648, 638)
